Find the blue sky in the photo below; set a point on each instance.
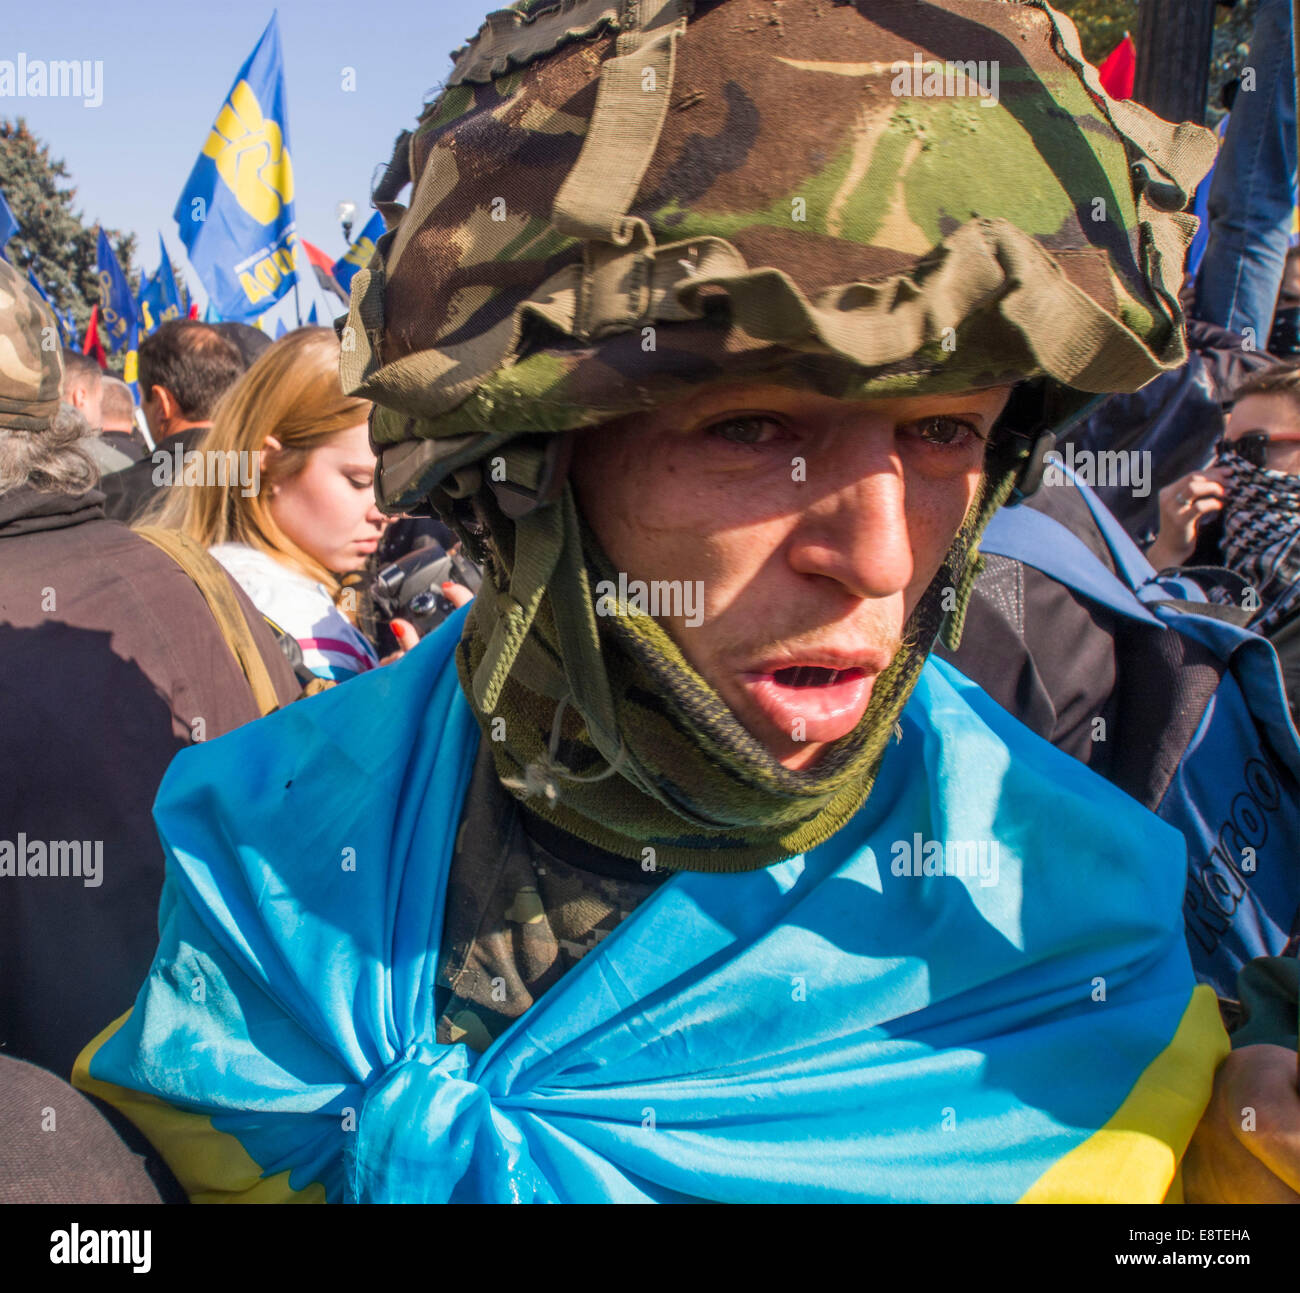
(167, 64)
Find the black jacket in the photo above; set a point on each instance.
(127, 492)
(1043, 653)
(130, 443)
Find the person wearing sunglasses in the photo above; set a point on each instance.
(1243, 510)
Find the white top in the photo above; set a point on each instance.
(332, 646)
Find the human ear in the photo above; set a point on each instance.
(269, 445)
(168, 407)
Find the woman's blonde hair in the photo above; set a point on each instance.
(292, 393)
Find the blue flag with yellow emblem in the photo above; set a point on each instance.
(357, 257)
(235, 214)
(147, 304)
(118, 316)
(160, 299)
(117, 311)
(70, 329)
(174, 306)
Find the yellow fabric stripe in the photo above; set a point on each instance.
(1135, 1157)
(211, 1165)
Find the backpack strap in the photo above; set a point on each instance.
(1037, 540)
(213, 582)
(1130, 561)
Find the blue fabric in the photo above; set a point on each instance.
(1201, 210)
(160, 300)
(1035, 539)
(116, 306)
(1233, 792)
(54, 309)
(119, 320)
(828, 1028)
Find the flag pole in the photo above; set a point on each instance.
(141, 424)
(297, 305)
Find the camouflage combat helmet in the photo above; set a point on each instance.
(596, 167)
(31, 371)
(614, 201)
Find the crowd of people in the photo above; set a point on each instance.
(938, 799)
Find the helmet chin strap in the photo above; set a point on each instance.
(1045, 443)
(524, 476)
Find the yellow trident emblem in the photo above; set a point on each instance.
(251, 158)
(360, 252)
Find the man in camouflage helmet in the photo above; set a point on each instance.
(671, 870)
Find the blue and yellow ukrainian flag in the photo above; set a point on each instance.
(1014, 1021)
(235, 215)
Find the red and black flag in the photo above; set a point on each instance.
(324, 268)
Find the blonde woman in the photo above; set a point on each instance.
(283, 497)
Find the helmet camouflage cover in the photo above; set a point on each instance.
(614, 201)
(597, 167)
(31, 364)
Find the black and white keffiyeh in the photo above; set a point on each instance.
(1261, 536)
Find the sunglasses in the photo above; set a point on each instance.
(1254, 448)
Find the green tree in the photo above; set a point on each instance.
(1101, 23)
(53, 239)
(1232, 35)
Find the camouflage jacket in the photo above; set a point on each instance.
(518, 917)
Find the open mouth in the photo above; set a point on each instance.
(812, 702)
(811, 675)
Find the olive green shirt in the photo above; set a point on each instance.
(518, 916)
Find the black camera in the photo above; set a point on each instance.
(410, 588)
